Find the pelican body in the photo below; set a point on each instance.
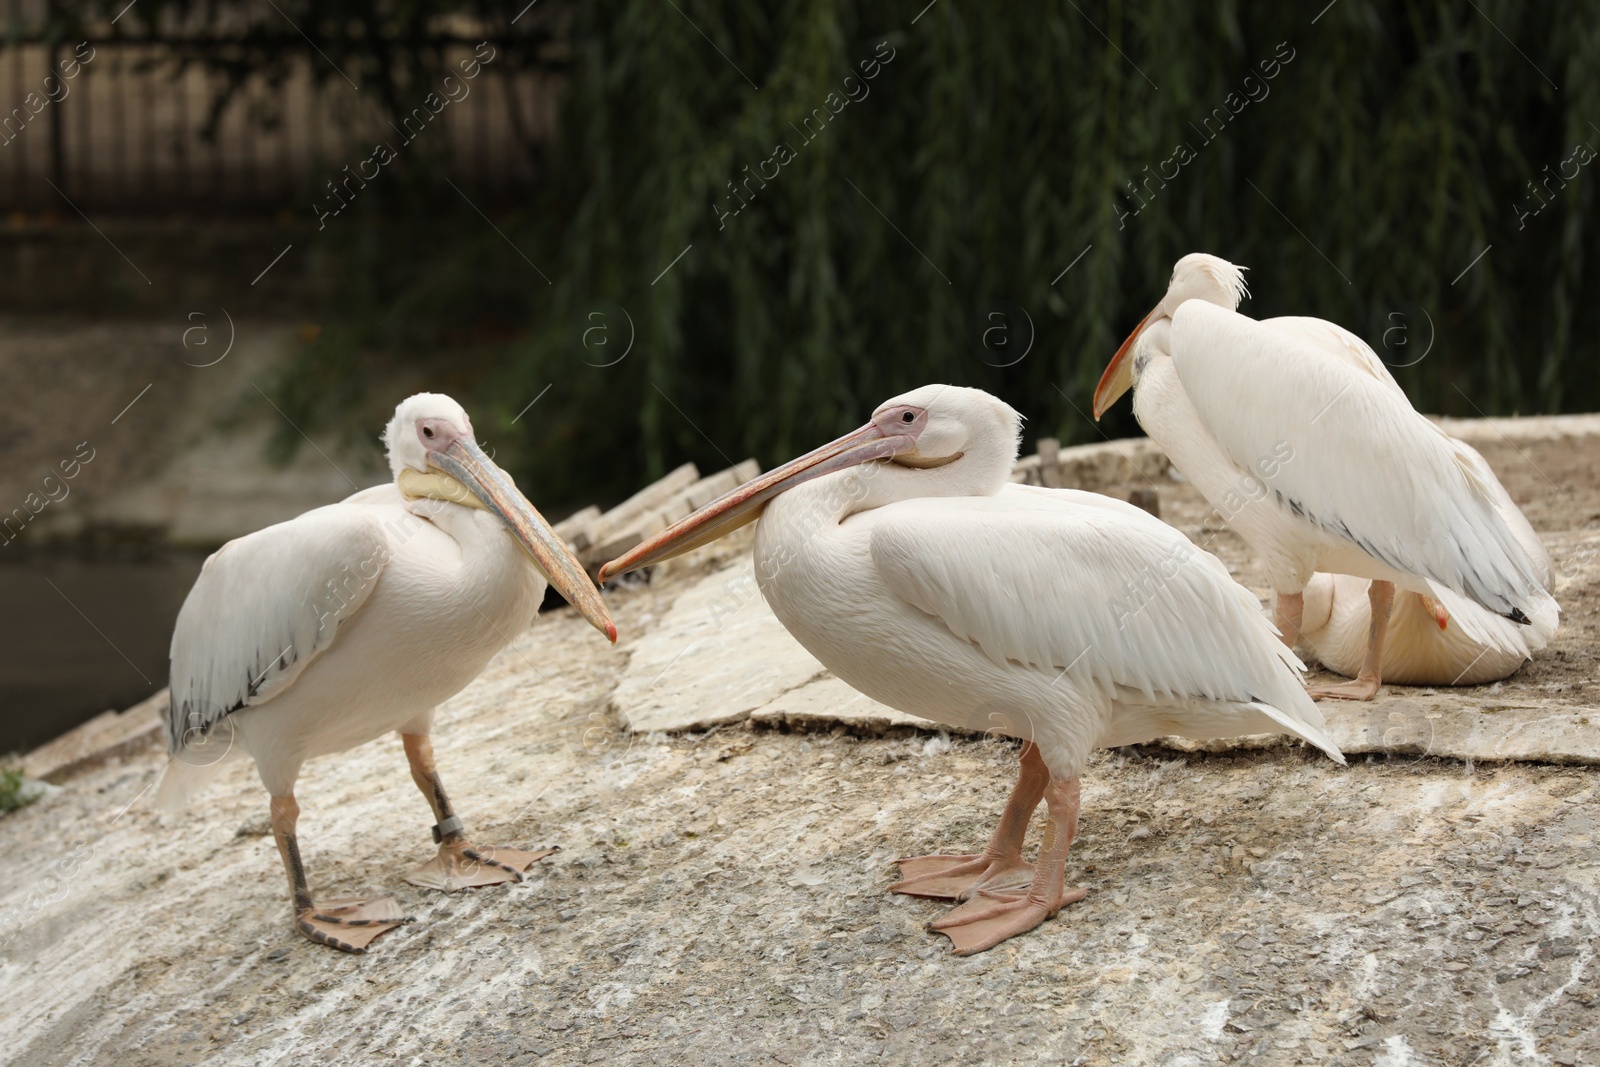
(358, 619)
(904, 559)
(1296, 432)
(1421, 647)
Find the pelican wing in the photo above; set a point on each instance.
(1093, 588)
(1490, 629)
(382, 493)
(1336, 341)
(265, 605)
(1340, 445)
(1521, 529)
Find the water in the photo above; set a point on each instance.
(82, 633)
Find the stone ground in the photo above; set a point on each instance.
(719, 896)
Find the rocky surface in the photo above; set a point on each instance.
(719, 896)
(106, 736)
(681, 675)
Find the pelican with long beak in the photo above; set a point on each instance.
(360, 618)
(1296, 432)
(902, 557)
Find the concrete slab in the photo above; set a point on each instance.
(714, 657)
(718, 656)
(826, 702)
(106, 736)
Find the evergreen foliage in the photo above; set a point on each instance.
(1394, 142)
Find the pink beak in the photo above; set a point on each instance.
(743, 505)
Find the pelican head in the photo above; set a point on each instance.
(434, 454)
(1197, 276)
(957, 422)
(928, 429)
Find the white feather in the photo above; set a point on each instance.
(1065, 617)
(1417, 652)
(1385, 492)
(265, 606)
(351, 621)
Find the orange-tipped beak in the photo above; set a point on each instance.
(744, 505)
(1118, 376)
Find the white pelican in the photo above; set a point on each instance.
(928, 581)
(1297, 433)
(1421, 647)
(324, 632)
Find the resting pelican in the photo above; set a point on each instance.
(1297, 433)
(329, 630)
(1421, 647)
(928, 581)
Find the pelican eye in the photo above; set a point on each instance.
(427, 431)
(908, 417)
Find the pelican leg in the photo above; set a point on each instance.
(460, 864)
(1290, 611)
(347, 924)
(1380, 596)
(992, 916)
(1000, 865)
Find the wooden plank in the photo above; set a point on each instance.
(578, 528)
(710, 487)
(1146, 498)
(656, 493)
(1050, 462)
(620, 518)
(673, 510)
(578, 520)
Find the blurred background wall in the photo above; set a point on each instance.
(628, 233)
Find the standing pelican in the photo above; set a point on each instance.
(928, 581)
(329, 630)
(1297, 433)
(1421, 646)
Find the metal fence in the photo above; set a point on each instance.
(116, 123)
